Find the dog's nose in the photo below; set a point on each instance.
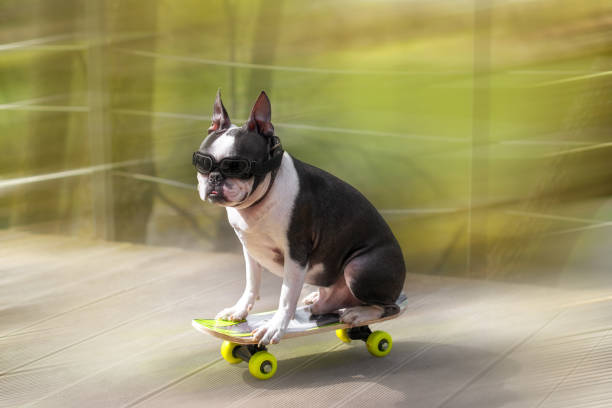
(215, 177)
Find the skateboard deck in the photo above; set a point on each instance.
(304, 323)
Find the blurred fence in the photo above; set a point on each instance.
(479, 129)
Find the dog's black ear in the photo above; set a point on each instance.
(259, 121)
(220, 118)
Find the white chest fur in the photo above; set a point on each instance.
(262, 230)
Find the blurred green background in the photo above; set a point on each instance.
(479, 129)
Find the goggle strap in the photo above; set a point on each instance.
(269, 165)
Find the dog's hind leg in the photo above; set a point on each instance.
(311, 298)
(376, 278)
(333, 298)
(359, 314)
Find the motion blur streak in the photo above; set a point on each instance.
(456, 118)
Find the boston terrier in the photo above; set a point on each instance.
(299, 222)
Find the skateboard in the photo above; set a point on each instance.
(238, 344)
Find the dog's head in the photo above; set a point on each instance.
(232, 162)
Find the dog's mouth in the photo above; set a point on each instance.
(226, 193)
(216, 195)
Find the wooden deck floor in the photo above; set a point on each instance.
(96, 324)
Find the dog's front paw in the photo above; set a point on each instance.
(237, 312)
(232, 313)
(272, 331)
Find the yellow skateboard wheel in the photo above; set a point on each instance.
(262, 365)
(379, 343)
(227, 351)
(342, 334)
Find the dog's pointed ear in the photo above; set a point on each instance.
(220, 118)
(259, 120)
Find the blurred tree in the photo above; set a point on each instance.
(230, 12)
(130, 84)
(479, 164)
(263, 51)
(565, 178)
(263, 48)
(46, 142)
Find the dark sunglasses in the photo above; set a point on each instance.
(238, 167)
(229, 167)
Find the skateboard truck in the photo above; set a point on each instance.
(245, 351)
(359, 333)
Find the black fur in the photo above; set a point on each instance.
(250, 145)
(334, 224)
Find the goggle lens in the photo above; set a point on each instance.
(228, 167)
(234, 167)
(203, 164)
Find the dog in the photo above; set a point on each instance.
(300, 223)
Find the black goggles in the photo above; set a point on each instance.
(238, 167)
(229, 167)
